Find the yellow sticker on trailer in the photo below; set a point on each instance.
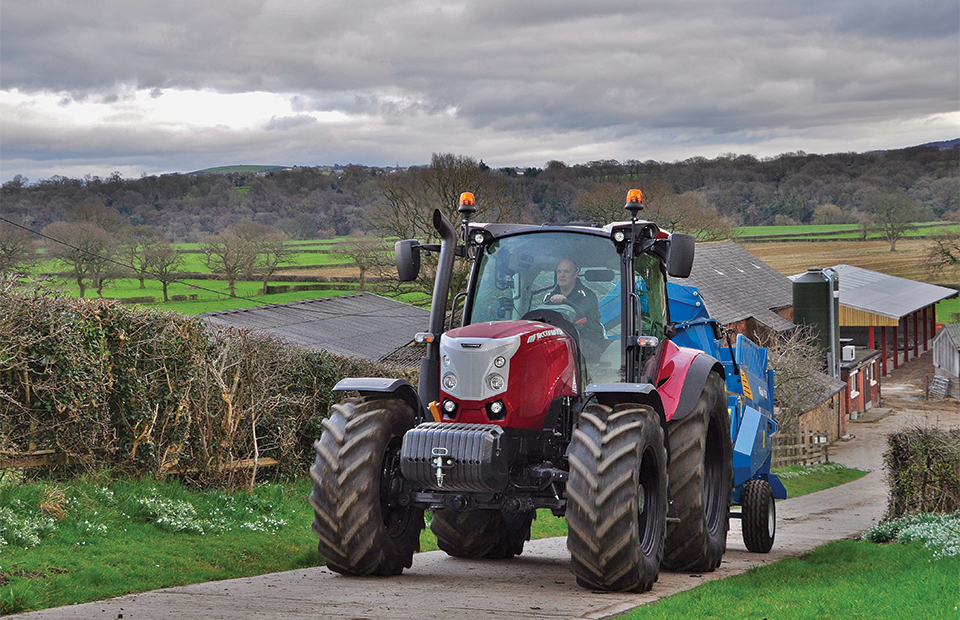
(746, 385)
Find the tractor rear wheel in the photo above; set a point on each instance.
(481, 534)
(363, 527)
(701, 482)
(617, 497)
(759, 516)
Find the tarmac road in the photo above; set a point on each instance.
(538, 584)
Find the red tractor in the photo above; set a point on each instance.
(561, 389)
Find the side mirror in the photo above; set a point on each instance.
(407, 255)
(680, 255)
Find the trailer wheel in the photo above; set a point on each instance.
(759, 516)
(617, 498)
(481, 534)
(363, 527)
(701, 483)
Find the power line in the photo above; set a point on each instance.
(130, 267)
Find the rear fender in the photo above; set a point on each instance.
(683, 373)
(374, 388)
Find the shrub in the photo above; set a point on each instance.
(148, 392)
(924, 469)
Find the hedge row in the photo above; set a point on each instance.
(924, 470)
(147, 392)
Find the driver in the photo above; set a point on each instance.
(571, 291)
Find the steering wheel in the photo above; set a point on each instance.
(567, 311)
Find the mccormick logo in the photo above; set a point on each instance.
(556, 331)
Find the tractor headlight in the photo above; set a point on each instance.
(449, 381)
(500, 361)
(496, 382)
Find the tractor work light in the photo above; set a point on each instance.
(449, 408)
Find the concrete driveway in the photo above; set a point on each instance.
(537, 584)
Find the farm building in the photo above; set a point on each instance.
(361, 325)
(741, 291)
(860, 371)
(946, 359)
(895, 315)
(824, 408)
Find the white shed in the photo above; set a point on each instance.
(946, 357)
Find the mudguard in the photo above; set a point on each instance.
(611, 394)
(683, 373)
(371, 387)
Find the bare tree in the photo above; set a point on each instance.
(797, 362)
(269, 244)
(944, 255)
(409, 199)
(87, 250)
(687, 212)
(893, 212)
(163, 262)
(17, 248)
(136, 243)
(229, 255)
(366, 251)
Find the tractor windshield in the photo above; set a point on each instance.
(576, 275)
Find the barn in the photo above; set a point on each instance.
(894, 315)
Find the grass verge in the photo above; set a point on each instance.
(847, 579)
(90, 539)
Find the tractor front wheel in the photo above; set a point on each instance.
(701, 482)
(759, 516)
(364, 528)
(617, 497)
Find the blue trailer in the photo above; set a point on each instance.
(749, 384)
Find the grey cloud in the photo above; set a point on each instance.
(522, 77)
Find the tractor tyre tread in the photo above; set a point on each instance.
(360, 440)
(614, 542)
(481, 534)
(697, 543)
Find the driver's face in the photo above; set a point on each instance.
(566, 274)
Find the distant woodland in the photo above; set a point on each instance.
(699, 194)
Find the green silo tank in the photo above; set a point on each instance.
(816, 303)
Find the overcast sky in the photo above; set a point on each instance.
(150, 86)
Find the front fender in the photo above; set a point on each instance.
(683, 373)
(373, 388)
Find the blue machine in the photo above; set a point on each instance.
(749, 388)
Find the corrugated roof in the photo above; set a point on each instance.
(362, 325)
(737, 285)
(889, 296)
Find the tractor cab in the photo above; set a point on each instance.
(570, 278)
